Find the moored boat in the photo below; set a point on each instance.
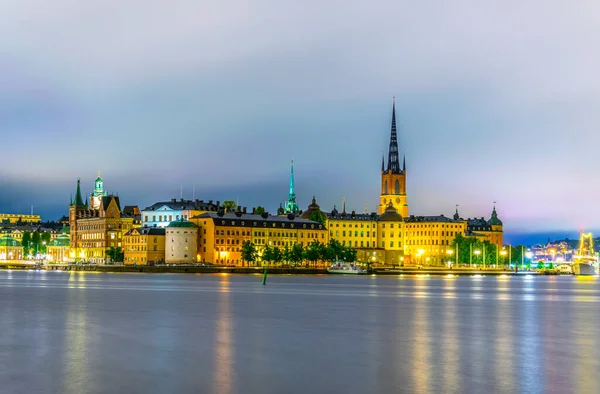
(346, 268)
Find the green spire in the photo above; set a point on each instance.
(291, 206)
(78, 199)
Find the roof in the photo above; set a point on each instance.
(390, 215)
(438, 218)
(7, 240)
(251, 220)
(106, 201)
(181, 204)
(181, 224)
(62, 241)
(131, 210)
(146, 231)
(334, 215)
(479, 224)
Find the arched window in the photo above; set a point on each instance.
(397, 187)
(385, 189)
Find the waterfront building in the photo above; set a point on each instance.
(95, 231)
(181, 242)
(59, 248)
(19, 218)
(223, 234)
(10, 248)
(162, 213)
(144, 245)
(392, 236)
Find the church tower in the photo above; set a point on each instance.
(74, 208)
(393, 179)
(291, 206)
(97, 194)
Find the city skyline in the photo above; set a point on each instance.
(485, 112)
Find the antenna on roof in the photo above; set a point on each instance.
(194, 192)
(181, 191)
(32, 210)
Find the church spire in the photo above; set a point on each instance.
(382, 163)
(393, 162)
(78, 199)
(456, 215)
(291, 206)
(404, 164)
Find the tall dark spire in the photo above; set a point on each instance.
(404, 164)
(291, 206)
(382, 163)
(78, 199)
(393, 161)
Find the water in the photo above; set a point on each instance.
(136, 333)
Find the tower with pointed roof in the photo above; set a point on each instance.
(291, 206)
(75, 207)
(98, 193)
(393, 178)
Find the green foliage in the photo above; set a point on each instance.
(249, 252)
(26, 242)
(295, 254)
(259, 210)
(229, 205)
(46, 237)
(267, 254)
(318, 216)
(277, 255)
(313, 252)
(541, 265)
(349, 255)
(115, 254)
(35, 242)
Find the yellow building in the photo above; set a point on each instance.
(223, 234)
(392, 236)
(144, 245)
(10, 249)
(95, 231)
(59, 248)
(18, 217)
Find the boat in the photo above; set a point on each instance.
(584, 268)
(346, 268)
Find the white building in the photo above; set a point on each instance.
(161, 214)
(181, 242)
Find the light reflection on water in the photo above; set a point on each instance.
(95, 333)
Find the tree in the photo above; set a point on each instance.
(259, 210)
(26, 242)
(267, 254)
(313, 252)
(248, 252)
(541, 265)
(45, 241)
(36, 241)
(115, 254)
(296, 253)
(277, 255)
(318, 216)
(229, 205)
(348, 254)
(333, 251)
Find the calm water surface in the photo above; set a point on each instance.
(136, 333)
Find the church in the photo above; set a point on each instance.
(392, 236)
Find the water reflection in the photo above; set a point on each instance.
(421, 347)
(223, 374)
(76, 350)
(450, 343)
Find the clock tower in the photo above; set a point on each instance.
(393, 178)
(97, 194)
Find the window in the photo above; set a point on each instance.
(397, 187)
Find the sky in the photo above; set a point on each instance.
(496, 101)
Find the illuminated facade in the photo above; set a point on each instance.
(392, 236)
(95, 231)
(160, 214)
(144, 245)
(59, 248)
(17, 218)
(10, 248)
(223, 234)
(181, 242)
(98, 193)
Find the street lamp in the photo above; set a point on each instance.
(477, 253)
(449, 253)
(503, 253)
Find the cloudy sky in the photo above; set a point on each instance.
(496, 101)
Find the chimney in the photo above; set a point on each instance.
(244, 210)
(253, 210)
(173, 200)
(210, 201)
(218, 203)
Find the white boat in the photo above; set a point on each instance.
(346, 268)
(584, 268)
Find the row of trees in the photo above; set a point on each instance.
(296, 254)
(35, 242)
(475, 251)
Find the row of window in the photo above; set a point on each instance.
(165, 218)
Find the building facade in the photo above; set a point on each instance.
(144, 245)
(19, 218)
(10, 248)
(58, 250)
(160, 214)
(95, 231)
(181, 242)
(223, 234)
